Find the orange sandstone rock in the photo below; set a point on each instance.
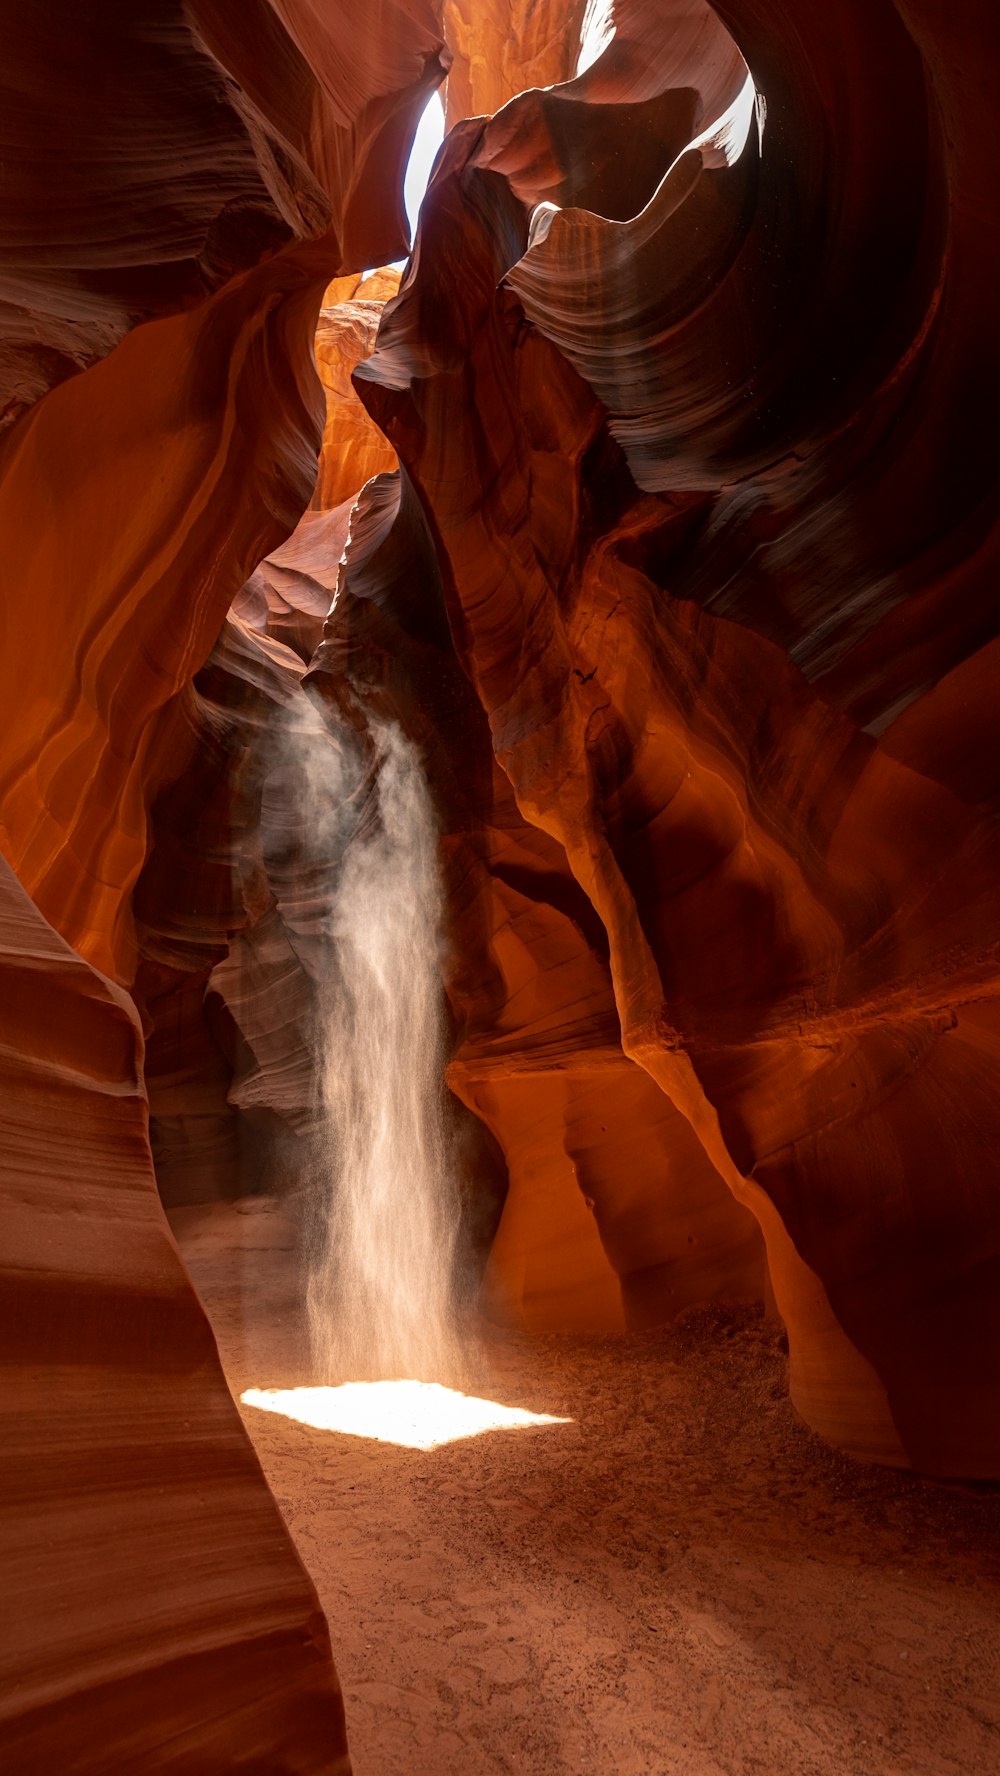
(693, 594)
(353, 448)
(501, 47)
(184, 182)
(159, 1617)
(601, 1226)
(273, 152)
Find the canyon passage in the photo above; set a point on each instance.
(499, 888)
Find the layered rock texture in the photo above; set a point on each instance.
(158, 1617)
(724, 597)
(501, 47)
(353, 448)
(181, 184)
(646, 504)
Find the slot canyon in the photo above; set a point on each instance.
(500, 888)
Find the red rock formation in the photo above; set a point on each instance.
(500, 47)
(230, 937)
(288, 595)
(684, 587)
(801, 913)
(204, 171)
(205, 139)
(353, 448)
(213, 407)
(158, 1617)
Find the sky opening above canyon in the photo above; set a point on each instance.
(426, 142)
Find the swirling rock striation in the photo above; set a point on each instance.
(182, 182)
(599, 1228)
(211, 407)
(683, 585)
(231, 911)
(693, 593)
(202, 140)
(160, 1618)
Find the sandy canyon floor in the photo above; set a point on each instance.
(680, 1581)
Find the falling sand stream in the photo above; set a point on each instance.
(380, 1292)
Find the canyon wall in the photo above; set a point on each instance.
(181, 185)
(721, 580)
(157, 1616)
(658, 503)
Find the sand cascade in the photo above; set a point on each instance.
(380, 1289)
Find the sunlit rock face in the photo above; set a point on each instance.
(724, 597)
(353, 448)
(230, 937)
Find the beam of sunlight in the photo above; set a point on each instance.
(411, 1414)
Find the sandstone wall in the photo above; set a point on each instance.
(182, 182)
(725, 596)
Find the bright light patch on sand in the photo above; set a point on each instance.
(411, 1414)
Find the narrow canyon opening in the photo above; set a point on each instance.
(499, 894)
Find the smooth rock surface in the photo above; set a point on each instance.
(694, 593)
(158, 1617)
(182, 182)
